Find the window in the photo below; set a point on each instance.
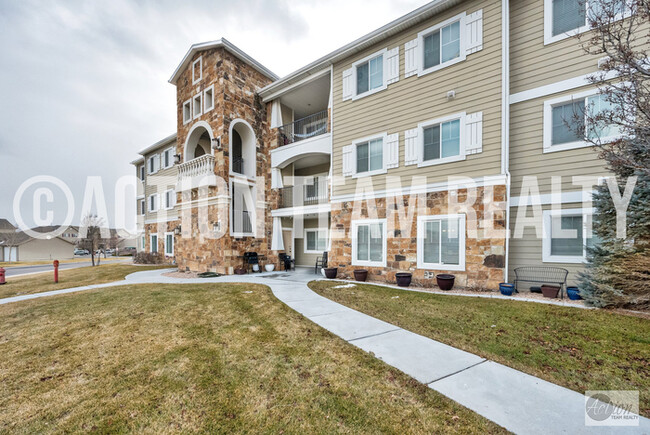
(187, 111)
(441, 242)
(141, 207)
(442, 140)
(208, 99)
(567, 235)
(565, 18)
(442, 45)
(153, 203)
(369, 242)
(370, 156)
(315, 241)
(565, 121)
(154, 243)
(170, 199)
(197, 70)
(169, 244)
(141, 172)
(369, 74)
(196, 106)
(167, 157)
(143, 243)
(153, 164)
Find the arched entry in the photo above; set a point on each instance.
(243, 148)
(198, 142)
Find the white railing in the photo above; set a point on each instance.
(198, 167)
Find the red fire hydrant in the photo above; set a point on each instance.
(2, 276)
(56, 271)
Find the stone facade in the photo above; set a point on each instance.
(235, 98)
(484, 253)
(160, 229)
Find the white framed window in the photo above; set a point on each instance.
(197, 105)
(142, 207)
(197, 70)
(368, 155)
(153, 239)
(169, 199)
(442, 140)
(141, 172)
(566, 18)
(441, 242)
(315, 241)
(369, 74)
(153, 202)
(442, 45)
(208, 99)
(143, 243)
(565, 117)
(369, 242)
(567, 234)
(169, 244)
(187, 111)
(167, 158)
(153, 164)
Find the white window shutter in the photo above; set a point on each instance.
(474, 135)
(410, 58)
(391, 151)
(411, 151)
(348, 160)
(474, 32)
(156, 163)
(347, 84)
(392, 65)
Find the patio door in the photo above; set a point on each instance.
(287, 239)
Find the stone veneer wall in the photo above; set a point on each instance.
(484, 259)
(235, 97)
(160, 229)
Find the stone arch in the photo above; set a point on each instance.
(243, 148)
(198, 141)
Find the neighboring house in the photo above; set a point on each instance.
(20, 246)
(454, 88)
(157, 200)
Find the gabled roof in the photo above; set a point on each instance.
(228, 46)
(162, 142)
(6, 225)
(412, 18)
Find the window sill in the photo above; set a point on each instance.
(370, 173)
(567, 147)
(370, 92)
(564, 259)
(451, 267)
(441, 161)
(423, 72)
(369, 263)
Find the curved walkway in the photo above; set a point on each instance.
(517, 401)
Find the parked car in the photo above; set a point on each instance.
(78, 251)
(128, 251)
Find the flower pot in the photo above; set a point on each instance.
(331, 272)
(403, 279)
(535, 289)
(506, 289)
(269, 267)
(573, 293)
(240, 271)
(550, 291)
(445, 281)
(361, 274)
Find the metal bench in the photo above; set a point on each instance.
(542, 275)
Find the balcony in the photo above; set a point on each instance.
(196, 173)
(304, 195)
(305, 128)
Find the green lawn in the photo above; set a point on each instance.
(82, 276)
(580, 349)
(216, 358)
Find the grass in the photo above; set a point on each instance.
(216, 358)
(579, 349)
(82, 276)
(41, 262)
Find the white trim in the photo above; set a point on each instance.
(355, 94)
(318, 231)
(200, 62)
(187, 120)
(187, 157)
(355, 143)
(442, 186)
(353, 238)
(169, 150)
(151, 244)
(142, 172)
(165, 244)
(302, 210)
(462, 228)
(196, 113)
(420, 143)
(162, 220)
(142, 202)
(461, 18)
(251, 185)
(557, 87)
(547, 234)
(314, 76)
(576, 196)
(172, 199)
(232, 125)
(156, 203)
(206, 109)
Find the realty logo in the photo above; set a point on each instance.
(611, 408)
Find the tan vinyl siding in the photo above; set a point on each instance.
(303, 259)
(527, 145)
(533, 64)
(417, 99)
(159, 182)
(527, 251)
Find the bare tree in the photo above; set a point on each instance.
(10, 239)
(92, 225)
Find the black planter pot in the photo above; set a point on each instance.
(445, 281)
(403, 279)
(331, 272)
(360, 274)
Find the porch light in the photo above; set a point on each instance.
(177, 158)
(216, 143)
(177, 230)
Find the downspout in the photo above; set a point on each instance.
(505, 120)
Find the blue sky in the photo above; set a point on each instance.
(84, 84)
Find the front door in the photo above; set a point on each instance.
(287, 239)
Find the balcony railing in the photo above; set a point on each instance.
(305, 128)
(242, 222)
(238, 165)
(306, 194)
(198, 167)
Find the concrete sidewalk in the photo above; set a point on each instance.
(519, 402)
